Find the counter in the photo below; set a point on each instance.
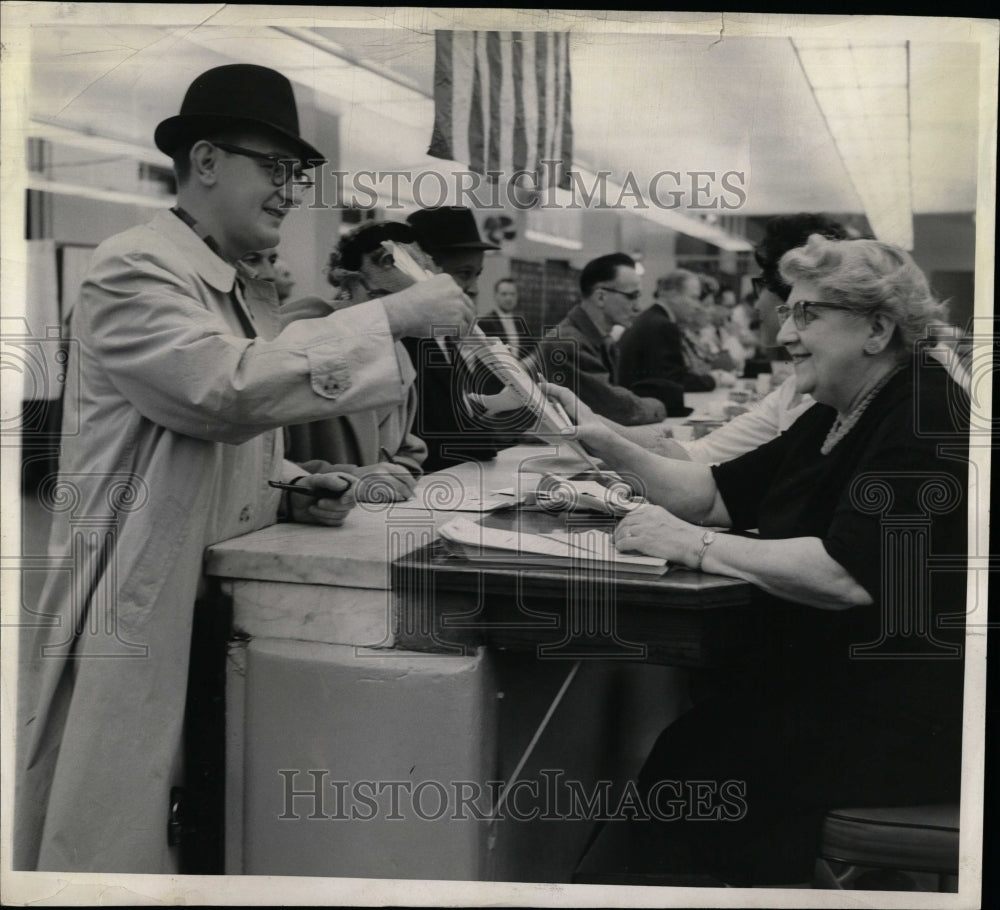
(349, 754)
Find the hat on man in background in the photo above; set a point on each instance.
(449, 227)
(233, 96)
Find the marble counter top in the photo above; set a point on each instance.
(358, 554)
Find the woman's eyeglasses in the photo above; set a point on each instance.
(799, 311)
(282, 170)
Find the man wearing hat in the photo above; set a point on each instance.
(452, 432)
(182, 377)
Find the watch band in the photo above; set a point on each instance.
(706, 542)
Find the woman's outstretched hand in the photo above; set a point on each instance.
(588, 427)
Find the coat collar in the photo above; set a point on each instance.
(578, 317)
(666, 309)
(211, 267)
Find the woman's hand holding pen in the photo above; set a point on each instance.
(313, 507)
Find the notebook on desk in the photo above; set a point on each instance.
(593, 548)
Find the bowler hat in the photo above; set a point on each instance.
(236, 95)
(450, 227)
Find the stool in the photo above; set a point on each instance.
(911, 848)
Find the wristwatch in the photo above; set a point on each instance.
(706, 542)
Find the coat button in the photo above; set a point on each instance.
(245, 514)
(332, 385)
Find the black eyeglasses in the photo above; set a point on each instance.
(629, 295)
(799, 311)
(283, 170)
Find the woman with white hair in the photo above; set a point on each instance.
(859, 700)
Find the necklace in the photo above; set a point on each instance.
(844, 424)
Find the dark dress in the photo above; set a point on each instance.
(814, 725)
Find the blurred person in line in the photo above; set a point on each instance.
(665, 344)
(267, 265)
(740, 324)
(503, 322)
(262, 264)
(709, 289)
(703, 350)
(376, 445)
(857, 700)
(183, 377)
(720, 339)
(283, 280)
(611, 290)
(743, 320)
(651, 351)
(454, 429)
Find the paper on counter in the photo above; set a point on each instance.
(469, 501)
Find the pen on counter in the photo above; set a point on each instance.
(313, 492)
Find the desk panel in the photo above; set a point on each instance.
(442, 602)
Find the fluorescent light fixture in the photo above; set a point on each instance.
(35, 182)
(552, 239)
(85, 138)
(862, 90)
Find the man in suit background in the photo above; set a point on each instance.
(453, 433)
(611, 292)
(651, 351)
(502, 323)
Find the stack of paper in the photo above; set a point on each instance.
(594, 548)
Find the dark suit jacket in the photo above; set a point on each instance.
(492, 326)
(451, 433)
(580, 361)
(651, 354)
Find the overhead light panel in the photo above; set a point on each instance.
(863, 92)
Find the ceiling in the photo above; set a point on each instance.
(642, 103)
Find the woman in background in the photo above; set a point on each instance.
(378, 445)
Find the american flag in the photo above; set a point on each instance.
(502, 103)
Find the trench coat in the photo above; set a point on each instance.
(178, 403)
(357, 439)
